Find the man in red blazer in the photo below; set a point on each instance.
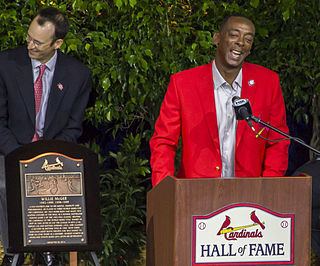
(198, 107)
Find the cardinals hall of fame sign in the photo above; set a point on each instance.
(242, 234)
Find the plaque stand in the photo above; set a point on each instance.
(74, 259)
(95, 258)
(16, 259)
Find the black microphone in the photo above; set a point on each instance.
(243, 110)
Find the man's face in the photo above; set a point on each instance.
(234, 42)
(40, 41)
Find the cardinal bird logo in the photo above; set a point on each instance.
(225, 224)
(255, 219)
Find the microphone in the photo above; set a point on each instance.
(243, 110)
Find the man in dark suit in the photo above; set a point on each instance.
(43, 93)
(66, 86)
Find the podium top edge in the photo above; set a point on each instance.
(173, 182)
(302, 176)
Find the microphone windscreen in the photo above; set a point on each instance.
(242, 108)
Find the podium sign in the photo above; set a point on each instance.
(53, 200)
(243, 233)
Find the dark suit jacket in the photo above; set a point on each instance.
(68, 98)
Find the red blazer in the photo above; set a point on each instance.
(188, 109)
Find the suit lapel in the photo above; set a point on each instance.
(57, 91)
(206, 94)
(24, 78)
(248, 91)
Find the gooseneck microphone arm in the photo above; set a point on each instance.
(243, 111)
(259, 121)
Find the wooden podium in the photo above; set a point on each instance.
(172, 204)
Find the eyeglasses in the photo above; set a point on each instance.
(35, 42)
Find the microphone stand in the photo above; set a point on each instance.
(259, 121)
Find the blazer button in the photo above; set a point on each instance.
(217, 168)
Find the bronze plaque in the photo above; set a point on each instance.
(53, 200)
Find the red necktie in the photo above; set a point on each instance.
(38, 95)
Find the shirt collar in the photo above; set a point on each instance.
(220, 81)
(50, 64)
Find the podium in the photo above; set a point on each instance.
(175, 207)
(51, 199)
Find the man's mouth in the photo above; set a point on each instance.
(236, 53)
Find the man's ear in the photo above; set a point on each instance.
(216, 38)
(58, 43)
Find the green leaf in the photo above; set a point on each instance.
(148, 52)
(106, 84)
(108, 116)
(263, 32)
(98, 7)
(87, 46)
(254, 3)
(118, 3)
(72, 47)
(144, 64)
(286, 14)
(133, 3)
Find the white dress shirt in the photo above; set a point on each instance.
(223, 94)
(46, 87)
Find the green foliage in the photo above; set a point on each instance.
(132, 47)
(292, 52)
(123, 203)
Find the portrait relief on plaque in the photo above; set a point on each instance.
(53, 180)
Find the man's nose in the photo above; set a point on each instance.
(240, 41)
(31, 45)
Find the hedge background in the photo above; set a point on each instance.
(132, 47)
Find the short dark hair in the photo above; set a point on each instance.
(57, 18)
(225, 20)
